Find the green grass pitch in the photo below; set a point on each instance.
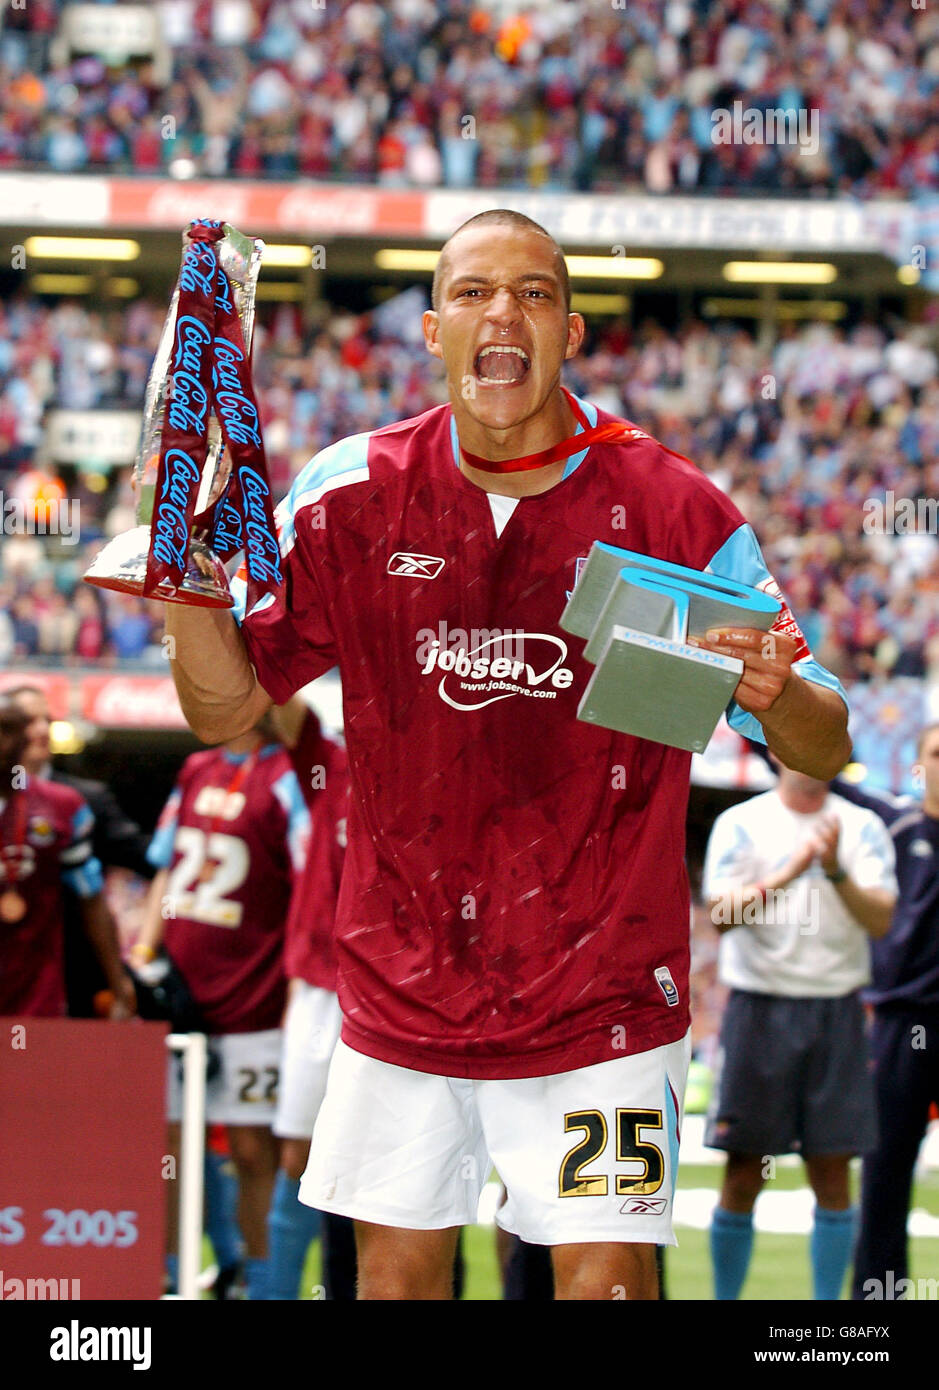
(779, 1269)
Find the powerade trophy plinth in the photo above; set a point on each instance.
(200, 472)
(637, 613)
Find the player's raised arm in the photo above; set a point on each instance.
(230, 665)
(216, 684)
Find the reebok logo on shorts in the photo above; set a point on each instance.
(644, 1206)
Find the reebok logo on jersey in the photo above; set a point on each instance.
(472, 680)
(403, 562)
(644, 1206)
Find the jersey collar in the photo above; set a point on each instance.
(575, 460)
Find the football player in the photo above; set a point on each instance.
(512, 930)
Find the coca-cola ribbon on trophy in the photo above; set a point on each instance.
(201, 471)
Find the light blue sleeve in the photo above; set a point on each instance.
(288, 793)
(740, 558)
(338, 464)
(85, 880)
(81, 871)
(160, 849)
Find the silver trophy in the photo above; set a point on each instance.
(636, 612)
(122, 563)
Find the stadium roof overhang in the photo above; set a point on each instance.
(868, 243)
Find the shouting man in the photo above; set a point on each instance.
(513, 921)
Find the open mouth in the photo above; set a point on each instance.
(503, 364)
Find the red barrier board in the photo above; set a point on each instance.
(82, 1151)
(132, 702)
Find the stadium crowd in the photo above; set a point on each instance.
(803, 437)
(473, 92)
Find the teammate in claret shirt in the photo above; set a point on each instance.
(512, 931)
(229, 848)
(117, 841)
(45, 846)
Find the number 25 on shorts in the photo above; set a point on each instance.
(629, 1148)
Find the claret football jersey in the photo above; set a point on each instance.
(232, 835)
(45, 842)
(514, 900)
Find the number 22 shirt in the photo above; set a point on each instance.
(233, 835)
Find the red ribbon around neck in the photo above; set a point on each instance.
(564, 449)
(616, 430)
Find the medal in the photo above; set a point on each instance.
(12, 906)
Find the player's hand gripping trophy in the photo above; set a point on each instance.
(200, 474)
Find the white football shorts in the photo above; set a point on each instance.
(311, 1031)
(588, 1155)
(243, 1089)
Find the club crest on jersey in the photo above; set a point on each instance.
(667, 985)
(578, 567)
(220, 802)
(39, 831)
(785, 622)
(412, 566)
(499, 667)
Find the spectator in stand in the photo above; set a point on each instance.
(132, 630)
(91, 633)
(856, 414)
(592, 99)
(25, 630)
(58, 627)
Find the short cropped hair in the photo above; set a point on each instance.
(502, 217)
